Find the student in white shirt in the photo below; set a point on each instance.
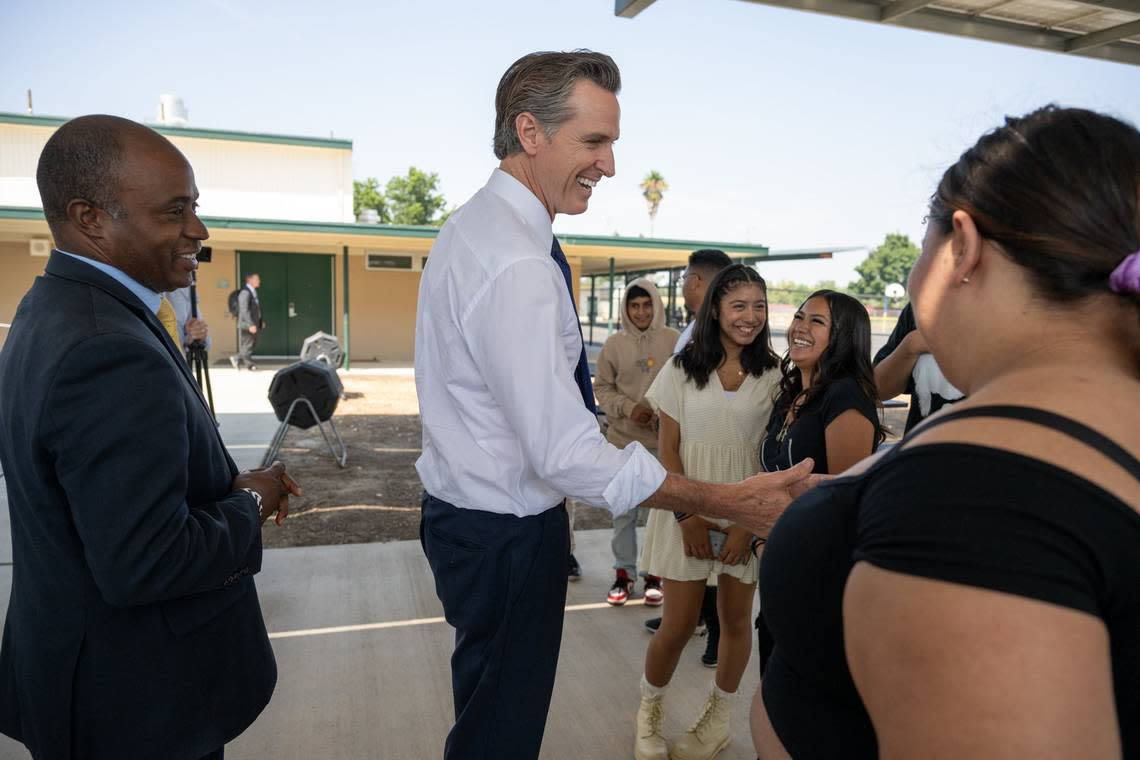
(508, 431)
(703, 266)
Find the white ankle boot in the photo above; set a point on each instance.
(709, 735)
(648, 740)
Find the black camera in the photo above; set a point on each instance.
(205, 254)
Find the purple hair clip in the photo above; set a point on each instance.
(1126, 277)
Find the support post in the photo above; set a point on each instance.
(347, 352)
(593, 304)
(610, 311)
(672, 303)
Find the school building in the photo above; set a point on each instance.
(281, 206)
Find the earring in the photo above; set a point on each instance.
(965, 279)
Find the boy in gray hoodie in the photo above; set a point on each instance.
(629, 361)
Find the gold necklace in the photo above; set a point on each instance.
(729, 382)
(739, 372)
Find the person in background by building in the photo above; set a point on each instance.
(250, 323)
(627, 365)
(189, 329)
(713, 399)
(704, 264)
(905, 365)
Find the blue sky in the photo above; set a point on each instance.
(771, 126)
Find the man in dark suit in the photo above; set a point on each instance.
(134, 629)
(250, 322)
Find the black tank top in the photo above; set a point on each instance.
(963, 513)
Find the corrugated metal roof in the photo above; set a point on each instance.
(1105, 29)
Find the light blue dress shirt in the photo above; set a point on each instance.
(148, 297)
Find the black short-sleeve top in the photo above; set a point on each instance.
(904, 326)
(962, 513)
(805, 437)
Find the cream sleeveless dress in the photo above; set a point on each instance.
(720, 440)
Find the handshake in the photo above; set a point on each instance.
(754, 504)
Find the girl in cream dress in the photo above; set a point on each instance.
(713, 401)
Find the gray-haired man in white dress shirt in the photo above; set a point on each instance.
(506, 407)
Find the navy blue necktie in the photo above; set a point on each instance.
(582, 371)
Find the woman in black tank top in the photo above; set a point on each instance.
(975, 592)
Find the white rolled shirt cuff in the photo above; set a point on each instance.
(637, 480)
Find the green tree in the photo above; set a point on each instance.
(415, 198)
(830, 285)
(890, 262)
(789, 292)
(653, 189)
(367, 194)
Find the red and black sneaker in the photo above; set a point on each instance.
(621, 590)
(654, 596)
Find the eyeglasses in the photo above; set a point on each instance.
(687, 275)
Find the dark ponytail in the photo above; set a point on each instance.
(1058, 190)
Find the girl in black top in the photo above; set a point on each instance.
(975, 592)
(827, 407)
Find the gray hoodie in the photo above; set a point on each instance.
(627, 365)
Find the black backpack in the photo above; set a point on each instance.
(232, 303)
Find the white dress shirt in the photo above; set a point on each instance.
(685, 337)
(497, 341)
(180, 300)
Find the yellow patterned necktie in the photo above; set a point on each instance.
(169, 320)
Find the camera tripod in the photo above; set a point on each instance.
(197, 356)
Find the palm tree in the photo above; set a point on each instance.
(653, 189)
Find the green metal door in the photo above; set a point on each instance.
(272, 295)
(310, 307)
(296, 298)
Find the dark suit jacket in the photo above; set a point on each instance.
(134, 629)
(249, 310)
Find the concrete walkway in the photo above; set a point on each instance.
(363, 653)
(363, 658)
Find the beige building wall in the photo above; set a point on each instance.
(382, 313)
(20, 269)
(215, 281)
(236, 178)
(22, 146)
(255, 180)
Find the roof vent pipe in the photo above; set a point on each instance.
(172, 111)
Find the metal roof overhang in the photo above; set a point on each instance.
(594, 252)
(1104, 29)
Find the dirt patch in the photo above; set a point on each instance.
(377, 496)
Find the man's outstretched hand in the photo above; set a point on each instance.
(758, 502)
(275, 487)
